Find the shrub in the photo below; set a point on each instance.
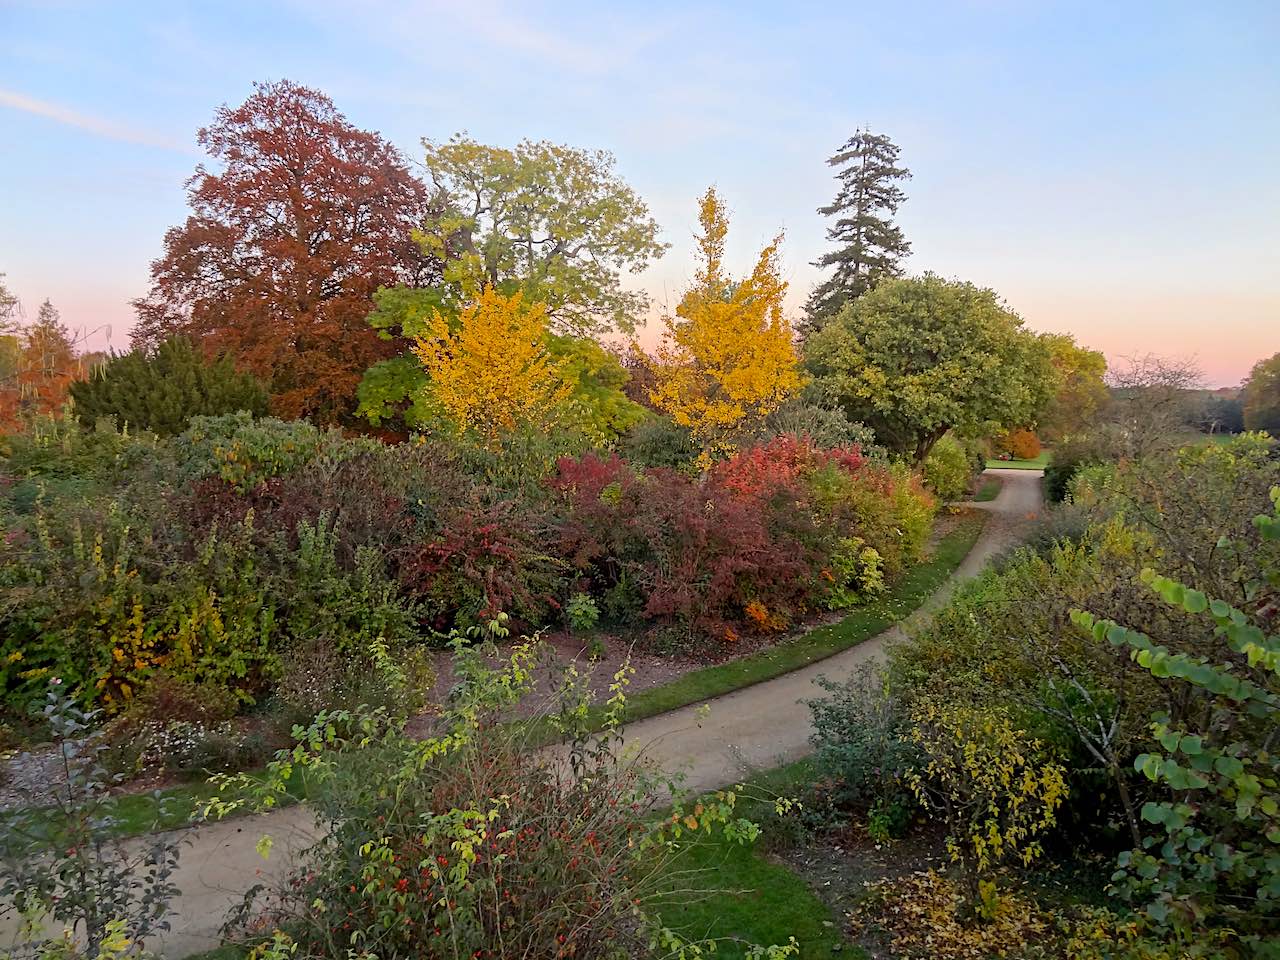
(658, 441)
(1069, 457)
(947, 470)
(67, 864)
(988, 783)
(163, 390)
(581, 613)
(469, 843)
(244, 452)
(862, 751)
(1213, 861)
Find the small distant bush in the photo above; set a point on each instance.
(1069, 457)
(161, 391)
(947, 471)
(658, 441)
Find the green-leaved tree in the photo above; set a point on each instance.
(917, 357)
(1262, 397)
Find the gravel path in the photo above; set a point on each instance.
(754, 728)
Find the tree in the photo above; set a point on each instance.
(552, 221)
(1152, 405)
(1262, 397)
(163, 389)
(396, 393)
(727, 358)
(870, 245)
(44, 365)
(914, 358)
(491, 373)
(1080, 388)
(286, 244)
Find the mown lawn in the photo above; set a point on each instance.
(758, 901)
(1039, 463)
(989, 490)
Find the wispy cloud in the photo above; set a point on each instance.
(95, 125)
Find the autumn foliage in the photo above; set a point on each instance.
(727, 357)
(39, 367)
(304, 217)
(490, 372)
(1020, 444)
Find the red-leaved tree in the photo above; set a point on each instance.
(303, 219)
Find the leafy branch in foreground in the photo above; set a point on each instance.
(1214, 862)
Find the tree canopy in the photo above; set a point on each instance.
(869, 245)
(305, 217)
(161, 390)
(916, 357)
(1080, 388)
(554, 222)
(727, 356)
(1262, 396)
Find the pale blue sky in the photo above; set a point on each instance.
(1110, 168)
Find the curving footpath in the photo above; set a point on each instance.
(768, 725)
(758, 727)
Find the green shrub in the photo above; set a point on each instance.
(658, 441)
(161, 391)
(947, 470)
(862, 754)
(581, 613)
(244, 452)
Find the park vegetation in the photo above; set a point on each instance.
(380, 435)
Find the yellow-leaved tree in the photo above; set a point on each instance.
(489, 369)
(728, 357)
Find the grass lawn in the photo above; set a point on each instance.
(989, 490)
(1039, 463)
(761, 902)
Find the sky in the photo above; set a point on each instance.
(1109, 168)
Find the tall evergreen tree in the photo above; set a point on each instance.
(870, 245)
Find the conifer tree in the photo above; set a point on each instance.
(163, 389)
(870, 245)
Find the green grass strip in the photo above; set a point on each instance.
(989, 490)
(759, 901)
(1039, 463)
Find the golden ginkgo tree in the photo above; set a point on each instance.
(489, 369)
(728, 356)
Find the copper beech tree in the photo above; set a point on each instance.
(304, 217)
